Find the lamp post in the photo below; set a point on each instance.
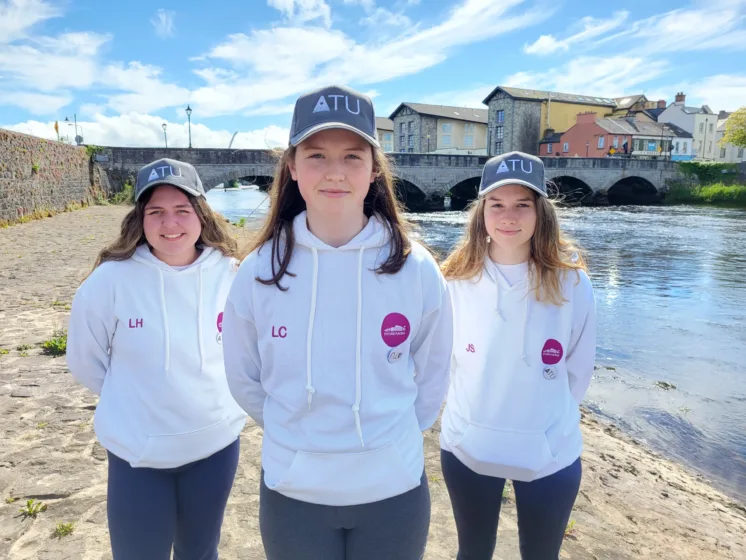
(165, 137)
(75, 119)
(587, 147)
(189, 116)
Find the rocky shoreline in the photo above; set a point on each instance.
(633, 502)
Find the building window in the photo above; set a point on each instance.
(402, 141)
(709, 147)
(684, 147)
(387, 136)
(387, 147)
(401, 128)
(549, 149)
(676, 148)
(446, 139)
(740, 153)
(469, 141)
(469, 127)
(411, 141)
(566, 147)
(701, 128)
(712, 128)
(500, 132)
(722, 153)
(498, 148)
(616, 141)
(446, 128)
(501, 116)
(600, 142)
(700, 147)
(411, 126)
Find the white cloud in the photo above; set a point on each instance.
(36, 103)
(469, 97)
(18, 16)
(719, 92)
(303, 11)
(598, 76)
(382, 16)
(591, 28)
(136, 129)
(163, 22)
(145, 92)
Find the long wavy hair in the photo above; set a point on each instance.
(132, 234)
(552, 252)
(286, 203)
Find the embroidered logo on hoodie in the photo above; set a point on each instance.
(552, 352)
(219, 338)
(394, 329)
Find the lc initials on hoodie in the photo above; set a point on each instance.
(519, 371)
(147, 338)
(344, 370)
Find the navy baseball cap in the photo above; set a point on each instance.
(333, 107)
(169, 172)
(513, 168)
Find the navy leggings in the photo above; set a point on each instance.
(544, 508)
(151, 510)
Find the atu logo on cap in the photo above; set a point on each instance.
(322, 105)
(171, 171)
(504, 168)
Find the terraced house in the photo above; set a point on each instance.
(442, 129)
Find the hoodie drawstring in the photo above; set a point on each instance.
(525, 324)
(167, 345)
(199, 325)
(358, 344)
(309, 378)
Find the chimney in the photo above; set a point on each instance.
(661, 104)
(680, 98)
(585, 118)
(548, 132)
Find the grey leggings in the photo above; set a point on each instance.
(394, 529)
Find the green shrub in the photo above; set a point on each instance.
(717, 194)
(57, 345)
(126, 195)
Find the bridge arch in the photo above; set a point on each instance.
(408, 193)
(570, 189)
(633, 190)
(463, 191)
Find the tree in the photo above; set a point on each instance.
(735, 129)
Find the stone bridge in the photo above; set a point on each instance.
(424, 180)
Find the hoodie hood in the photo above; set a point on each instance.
(374, 234)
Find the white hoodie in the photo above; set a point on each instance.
(147, 338)
(520, 369)
(344, 369)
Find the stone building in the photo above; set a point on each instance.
(442, 129)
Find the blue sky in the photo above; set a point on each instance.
(127, 67)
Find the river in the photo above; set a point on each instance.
(670, 288)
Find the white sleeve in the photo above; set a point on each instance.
(243, 364)
(88, 342)
(581, 356)
(431, 350)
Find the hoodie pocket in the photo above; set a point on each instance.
(341, 479)
(174, 450)
(519, 449)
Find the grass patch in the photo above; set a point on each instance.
(3, 351)
(717, 194)
(23, 354)
(10, 499)
(241, 222)
(22, 347)
(126, 195)
(32, 509)
(570, 529)
(42, 425)
(63, 530)
(57, 345)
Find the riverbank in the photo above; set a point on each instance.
(633, 503)
(716, 194)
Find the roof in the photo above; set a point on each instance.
(654, 113)
(641, 128)
(552, 138)
(629, 101)
(382, 123)
(537, 95)
(446, 112)
(703, 110)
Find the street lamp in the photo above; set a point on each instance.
(165, 138)
(75, 119)
(189, 116)
(587, 147)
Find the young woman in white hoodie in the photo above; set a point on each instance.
(523, 355)
(338, 335)
(145, 334)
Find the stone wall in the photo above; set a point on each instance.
(38, 175)
(521, 125)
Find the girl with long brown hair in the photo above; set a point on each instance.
(523, 356)
(338, 337)
(145, 334)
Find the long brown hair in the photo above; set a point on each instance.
(552, 252)
(132, 234)
(286, 203)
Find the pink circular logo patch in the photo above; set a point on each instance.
(394, 329)
(552, 352)
(220, 322)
